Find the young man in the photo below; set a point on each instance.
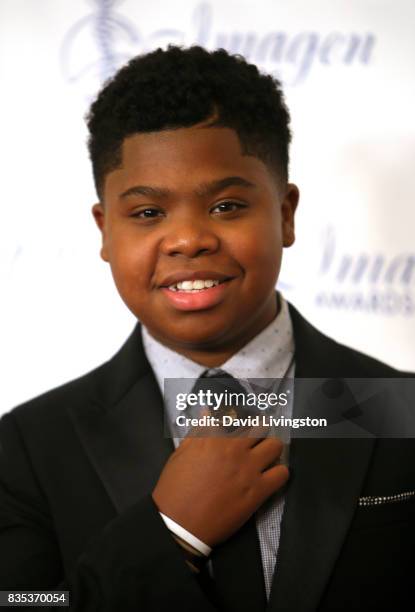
(190, 159)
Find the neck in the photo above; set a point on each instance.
(217, 356)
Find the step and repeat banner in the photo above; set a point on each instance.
(347, 67)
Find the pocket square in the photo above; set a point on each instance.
(372, 500)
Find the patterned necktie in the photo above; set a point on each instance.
(250, 537)
(223, 385)
(214, 580)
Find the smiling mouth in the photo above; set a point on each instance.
(196, 286)
(196, 299)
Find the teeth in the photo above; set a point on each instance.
(186, 285)
(196, 285)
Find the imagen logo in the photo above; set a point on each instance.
(373, 282)
(108, 38)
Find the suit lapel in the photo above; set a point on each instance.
(121, 428)
(326, 478)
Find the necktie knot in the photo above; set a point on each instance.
(223, 394)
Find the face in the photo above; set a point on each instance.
(186, 204)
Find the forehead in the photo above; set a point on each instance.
(183, 158)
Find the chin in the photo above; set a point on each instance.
(194, 338)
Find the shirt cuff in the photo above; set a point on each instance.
(186, 535)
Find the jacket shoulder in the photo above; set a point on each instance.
(59, 398)
(102, 385)
(321, 356)
(361, 363)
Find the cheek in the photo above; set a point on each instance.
(259, 250)
(132, 261)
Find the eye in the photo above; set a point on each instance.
(228, 206)
(146, 213)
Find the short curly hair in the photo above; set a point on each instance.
(179, 87)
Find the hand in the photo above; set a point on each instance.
(212, 485)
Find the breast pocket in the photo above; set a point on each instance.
(382, 513)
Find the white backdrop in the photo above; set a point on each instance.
(348, 68)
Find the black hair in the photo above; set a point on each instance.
(173, 88)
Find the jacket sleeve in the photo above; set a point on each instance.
(133, 564)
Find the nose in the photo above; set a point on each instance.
(190, 237)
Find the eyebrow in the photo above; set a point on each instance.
(214, 187)
(145, 190)
(204, 189)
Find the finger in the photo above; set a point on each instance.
(208, 430)
(253, 435)
(248, 435)
(267, 452)
(273, 479)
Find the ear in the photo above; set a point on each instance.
(98, 212)
(288, 208)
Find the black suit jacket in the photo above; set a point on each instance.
(78, 464)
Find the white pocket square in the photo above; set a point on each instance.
(386, 499)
